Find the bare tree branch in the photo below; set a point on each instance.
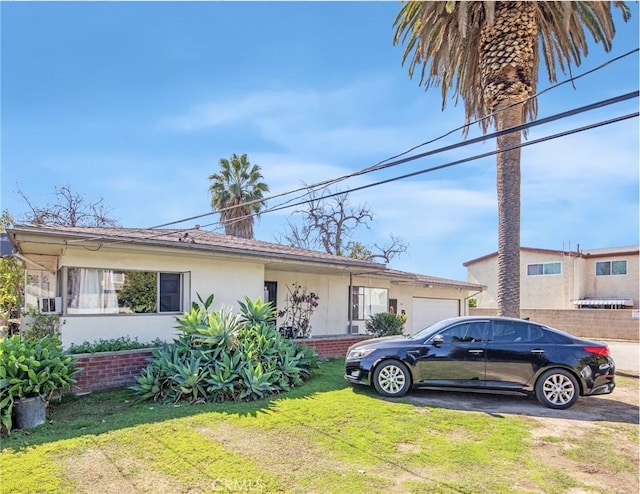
(330, 223)
(70, 209)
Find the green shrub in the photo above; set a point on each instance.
(36, 325)
(112, 345)
(385, 324)
(31, 368)
(219, 356)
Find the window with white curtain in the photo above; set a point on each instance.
(106, 291)
(366, 301)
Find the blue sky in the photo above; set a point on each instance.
(137, 102)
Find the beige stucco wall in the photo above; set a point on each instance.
(330, 317)
(332, 314)
(613, 285)
(229, 281)
(577, 280)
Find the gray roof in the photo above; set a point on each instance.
(199, 240)
(187, 239)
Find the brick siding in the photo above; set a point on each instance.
(609, 324)
(109, 370)
(328, 347)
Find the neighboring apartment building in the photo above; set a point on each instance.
(554, 279)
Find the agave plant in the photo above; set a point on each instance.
(220, 356)
(223, 378)
(256, 382)
(257, 312)
(190, 379)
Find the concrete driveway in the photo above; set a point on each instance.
(626, 355)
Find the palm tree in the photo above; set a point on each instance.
(237, 192)
(488, 53)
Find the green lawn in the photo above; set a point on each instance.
(323, 437)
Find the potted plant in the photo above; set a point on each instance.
(31, 371)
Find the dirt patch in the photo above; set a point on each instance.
(97, 471)
(612, 418)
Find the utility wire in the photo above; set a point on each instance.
(466, 160)
(308, 189)
(415, 173)
(325, 183)
(554, 86)
(381, 166)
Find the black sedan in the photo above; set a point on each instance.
(491, 354)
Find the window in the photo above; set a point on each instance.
(367, 301)
(516, 332)
(105, 291)
(606, 268)
(544, 268)
(39, 283)
(473, 332)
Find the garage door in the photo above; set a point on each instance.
(426, 311)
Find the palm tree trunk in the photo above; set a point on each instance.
(508, 77)
(508, 187)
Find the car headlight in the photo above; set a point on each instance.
(359, 353)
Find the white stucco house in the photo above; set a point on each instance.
(605, 278)
(79, 274)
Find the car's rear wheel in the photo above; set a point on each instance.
(557, 388)
(392, 378)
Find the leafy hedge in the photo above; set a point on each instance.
(220, 356)
(112, 345)
(385, 324)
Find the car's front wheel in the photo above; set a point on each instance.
(392, 378)
(557, 388)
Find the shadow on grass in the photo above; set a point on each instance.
(619, 407)
(104, 411)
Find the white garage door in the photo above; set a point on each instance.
(426, 311)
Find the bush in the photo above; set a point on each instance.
(220, 356)
(36, 325)
(31, 368)
(112, 345)
(385, 324)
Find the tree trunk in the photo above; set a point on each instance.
(508, 187)
(507, 59)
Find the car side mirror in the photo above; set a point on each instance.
(437, 340)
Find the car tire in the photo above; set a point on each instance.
(392, 378)
(557, 388)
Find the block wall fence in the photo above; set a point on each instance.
(109, 370)
(596, 324)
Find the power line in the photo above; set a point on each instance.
(519, 128)
(438, 167)
(402, 177)
(554, 86)
(379, 165)
(473, 158)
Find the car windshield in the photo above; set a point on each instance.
(434, 328)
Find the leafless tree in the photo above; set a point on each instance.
(378, 252)
(70, 209)
(329, 224)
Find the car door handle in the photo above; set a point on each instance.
(476, 352)
(537, 351)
